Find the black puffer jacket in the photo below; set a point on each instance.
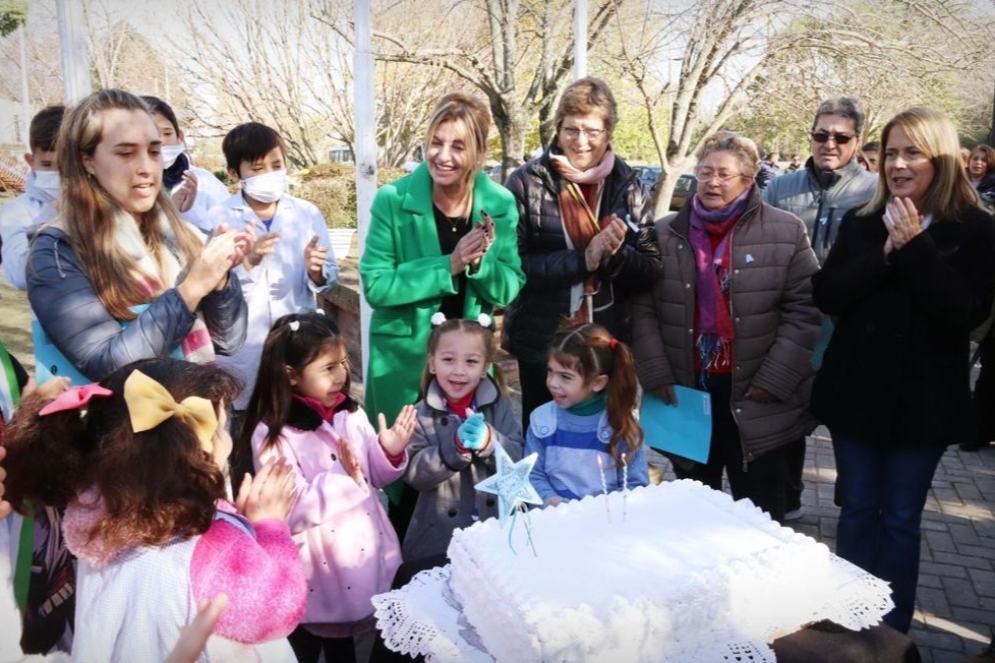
(551, 268)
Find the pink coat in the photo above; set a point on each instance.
(349, 548)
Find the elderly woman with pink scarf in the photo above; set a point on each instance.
(733, 315)
(585, 235)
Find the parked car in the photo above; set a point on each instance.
(685, 187)
(649, 177)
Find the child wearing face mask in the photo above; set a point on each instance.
(290, 261)
(20, 217)
(194, 190)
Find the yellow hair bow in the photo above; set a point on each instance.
(150, 404)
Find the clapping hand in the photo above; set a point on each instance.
(474, 433)
(260, 246)
(469, 250)
(268, 495)
(605, 244)
(395, 439)
(185, 193)
(314, 260)
(902, 221)
(350, 462)
(193, 637)
(209, 270)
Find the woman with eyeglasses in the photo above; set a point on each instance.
(733, 315)
(585, 235)
(910, 275)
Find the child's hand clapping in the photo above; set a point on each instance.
(474, 433)
(351, 463)
(270, 494)
(395, 439)
(314, 260)
(260, 246)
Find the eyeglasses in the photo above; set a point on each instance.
(824, 136)
(706, 176)
(573, 133)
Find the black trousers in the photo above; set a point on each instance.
(795, 455)
(763, 480)
(984, 394)
(308, 647)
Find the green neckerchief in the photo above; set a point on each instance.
(593, 405)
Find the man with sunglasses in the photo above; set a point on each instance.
(831, 183)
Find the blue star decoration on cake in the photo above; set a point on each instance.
(510, 482)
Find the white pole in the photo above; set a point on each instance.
(25, 101)
(72, 44)
(580, 39)
(366, 149)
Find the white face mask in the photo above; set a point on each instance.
(266, 188)
(170, 153)
(47, 181)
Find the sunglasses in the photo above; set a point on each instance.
(839, 139)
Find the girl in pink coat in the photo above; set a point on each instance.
(301, 411)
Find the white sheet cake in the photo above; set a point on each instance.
(678, 565)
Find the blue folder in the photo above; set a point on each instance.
(684, 429)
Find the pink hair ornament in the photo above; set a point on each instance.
(75, 398)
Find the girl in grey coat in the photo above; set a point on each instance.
(462, 415)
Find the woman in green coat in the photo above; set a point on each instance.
(441, 239)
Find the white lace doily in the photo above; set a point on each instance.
(728, 610)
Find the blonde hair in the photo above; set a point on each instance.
(470, 115)
(88, 210)
(730, 141)
(934, 134)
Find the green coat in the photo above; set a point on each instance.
(405, 276)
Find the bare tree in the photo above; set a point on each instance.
(272, 62)
(516, 53)
(725, 46)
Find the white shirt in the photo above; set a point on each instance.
(19, 219)
(279, 285)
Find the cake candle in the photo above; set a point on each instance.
(604, 487)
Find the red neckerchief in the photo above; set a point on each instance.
(460, 407)
(326, 413)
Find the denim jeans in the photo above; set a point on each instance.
(883, 491)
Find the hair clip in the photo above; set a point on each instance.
(484, 320)
(75, 398)
(294, 325)
(438, 318)
(613, 344)
(150, 404)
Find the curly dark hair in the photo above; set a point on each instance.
(155, 486)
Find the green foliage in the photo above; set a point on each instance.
(332, 187)
(13, 13)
